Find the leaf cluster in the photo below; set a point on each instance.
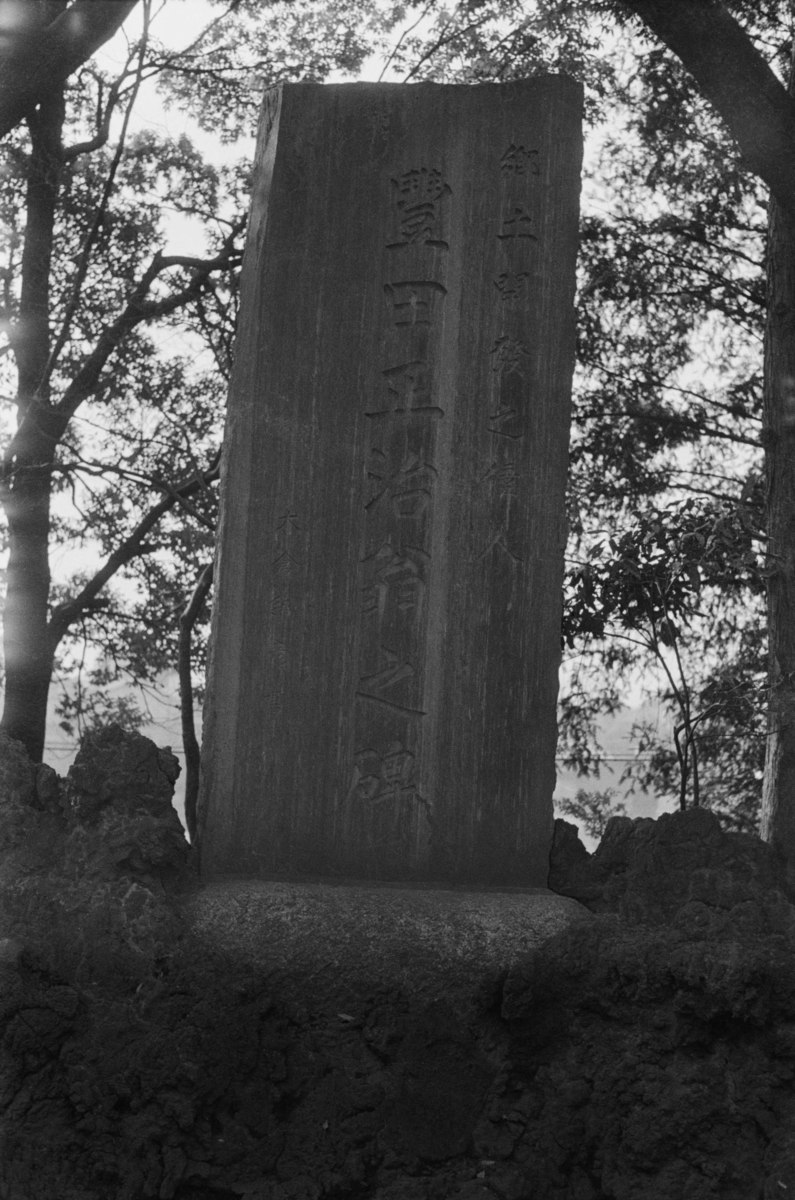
(666, 444)
(653, 575)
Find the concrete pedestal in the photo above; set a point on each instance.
(333, 943)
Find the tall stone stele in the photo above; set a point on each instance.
(386, 631)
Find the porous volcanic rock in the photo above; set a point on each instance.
(118, 795)
(644, 1053)
(88, 864)
(646, 870)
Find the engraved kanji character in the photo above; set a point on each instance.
(384, 778)
(374, 588)
(283, 565)
(418, 199)
(412, 302)
(399, 576)
(502, 476)
(407, 484)
(394, 671)
(281, 606)
(499, 542)
(367, 787)
(371, 598)
(398, 767)
(506, 412)
(508, 356)
(284, 561)
(408, 389)
(412, 502)
(367, 774)
(392, 596)
(512, 287)
(518, 225)
(518, 160)
(510, 417)
(407, 584)
(287, 523)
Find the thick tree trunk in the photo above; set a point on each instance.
(778, 793)
(190, 742)
(778, 802)
(29, 652)
(26, 478)
(42, 43)
(737, 81)
(760, 113)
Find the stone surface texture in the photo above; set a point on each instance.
(644, 1051)
(417, 941)
(382, 688)
(88, 862)
(651, 870)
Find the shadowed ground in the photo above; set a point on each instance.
(162, 1039)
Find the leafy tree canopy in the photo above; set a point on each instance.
(132, 344)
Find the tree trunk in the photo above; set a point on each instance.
(29, 652)
(42, 43)
(26, 478)
(778, 800)
(190, 742)
(760, 113)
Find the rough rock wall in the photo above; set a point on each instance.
(87, 864)
(649, 1054)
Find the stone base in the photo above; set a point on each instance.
(331, 940)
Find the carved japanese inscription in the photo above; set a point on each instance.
(401, 480)
(381, 697)
(511, 355)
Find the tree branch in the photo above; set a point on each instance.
(35, 60)
(101, 209)
(70, 611)
(190, 742)
(140, 309)
(737, 81)
(103, 122)
(50, 422)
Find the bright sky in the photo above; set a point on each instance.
(176, 23)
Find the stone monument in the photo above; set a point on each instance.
(386, 631)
